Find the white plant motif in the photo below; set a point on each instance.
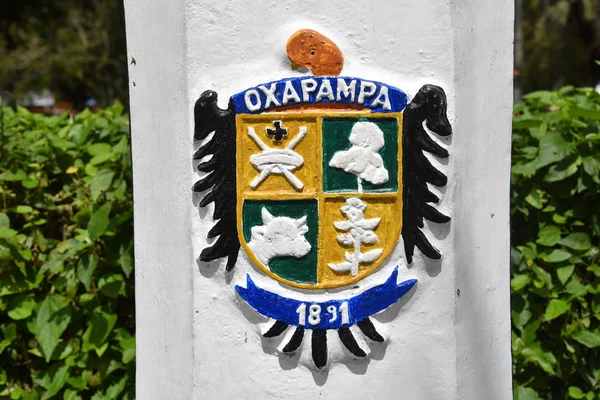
(363, 159)
(360, 231)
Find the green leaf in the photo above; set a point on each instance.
(529, 251)
(51, 321)
(61, 144)
(100, 350)
(101, 182)
(126, 259)
(523, 169)
(52, 379)
(553, 148)
(526, 122)
(548, 236)
(565, 90)
(556, 308)
(556, 256)
(534, 199)
(101, 158)
(585, 113)
(71, 394)
(79, 133)
(84, 115)
(4, 221)
(99, 221)
(519, 282)
(7, 233)
(79, 382)
(564, 273)
(591, 165)
(114, 390)
(577, 289)
(128, 346)
(116, 109)
(576, 393)
(9, 331)
(559, 219)
(18, 175)
(521, 318)
(23, 209)
(530, 332)
(588, 338)
(525, 393)
(544, 276)
(21, 307)
(544, 359)
(577, 241)
(112, 285)
(122, 146)
(100, 148)
(559, 172)
(90, 170)
(65, 349)
(85, 269)
(99, 328)
(54, 265)
(31, 182)
(542, 96)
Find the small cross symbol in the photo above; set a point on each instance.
(278, 133)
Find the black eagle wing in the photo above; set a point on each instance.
(429, 107)
(219, 184)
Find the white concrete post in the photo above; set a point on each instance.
(258, 331)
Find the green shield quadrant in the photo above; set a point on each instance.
(336, 132)
(301, 270)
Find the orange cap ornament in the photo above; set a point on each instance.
(309, 49)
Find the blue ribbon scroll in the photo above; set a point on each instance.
(332, 314)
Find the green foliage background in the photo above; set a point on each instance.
(555, 223)
(66, 256)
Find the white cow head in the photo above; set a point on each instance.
(279, 236)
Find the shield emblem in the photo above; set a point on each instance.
(315, 178)
(319, 193)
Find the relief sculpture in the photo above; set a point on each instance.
(315, 180)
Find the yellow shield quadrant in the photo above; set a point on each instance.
(319, 193)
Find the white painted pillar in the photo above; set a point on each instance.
(197, 338)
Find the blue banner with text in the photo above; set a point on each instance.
(372, 95)
(332, 314)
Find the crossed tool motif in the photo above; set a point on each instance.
(273, 161)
